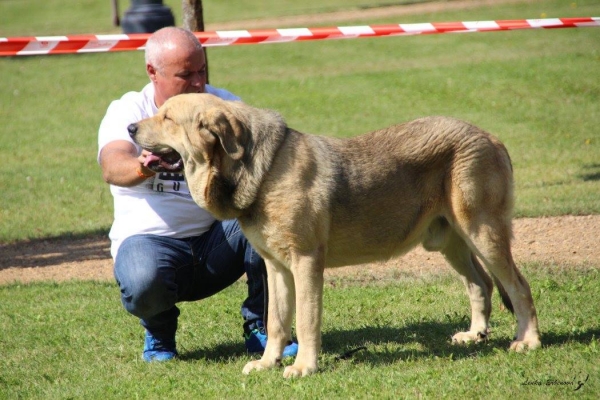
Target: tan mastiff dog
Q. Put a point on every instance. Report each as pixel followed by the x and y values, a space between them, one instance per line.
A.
pixel 308 202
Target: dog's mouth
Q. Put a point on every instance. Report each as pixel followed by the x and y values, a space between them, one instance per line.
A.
pixel 169 161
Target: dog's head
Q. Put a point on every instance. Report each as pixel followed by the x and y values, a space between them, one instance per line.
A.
pixel 206 138
pixel 187 131
pixel 225 148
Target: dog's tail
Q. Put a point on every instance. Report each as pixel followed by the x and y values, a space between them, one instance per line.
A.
pixel 503 295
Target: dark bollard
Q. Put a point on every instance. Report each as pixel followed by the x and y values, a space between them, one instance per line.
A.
pixel 147 16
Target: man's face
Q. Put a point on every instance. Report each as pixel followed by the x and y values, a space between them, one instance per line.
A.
pixel 182 71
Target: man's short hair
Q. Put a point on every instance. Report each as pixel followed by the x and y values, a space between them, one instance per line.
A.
pixel 166 38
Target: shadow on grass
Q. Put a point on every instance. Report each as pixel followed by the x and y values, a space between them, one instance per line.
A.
pixel 386 345
pixel 423 339
pixel 433 339
pixel 550 339
pixel 219 353
pixel 592 173
pixel 56 250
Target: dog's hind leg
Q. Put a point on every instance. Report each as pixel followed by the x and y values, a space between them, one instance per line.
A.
pixel 478 284
pixel 480 194
pixel 491 241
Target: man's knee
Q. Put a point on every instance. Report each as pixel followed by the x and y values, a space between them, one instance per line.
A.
pixel 145 290
pixel 145 296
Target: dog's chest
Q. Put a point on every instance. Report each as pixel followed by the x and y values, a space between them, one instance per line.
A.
pixel 268 239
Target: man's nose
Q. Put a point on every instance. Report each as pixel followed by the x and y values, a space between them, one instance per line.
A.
pixel 132 129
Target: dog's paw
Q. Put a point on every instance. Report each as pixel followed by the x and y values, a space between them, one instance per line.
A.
pixel 299 370
pixel 521 346
pixel 469 337
pixel 257 365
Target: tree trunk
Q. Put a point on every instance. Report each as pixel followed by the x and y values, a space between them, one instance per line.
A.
pixel 193 19
pixel 115 13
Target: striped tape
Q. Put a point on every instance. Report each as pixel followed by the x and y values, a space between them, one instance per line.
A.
pixel 35 45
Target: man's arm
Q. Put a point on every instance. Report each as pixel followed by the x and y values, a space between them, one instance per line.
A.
pixel 121 165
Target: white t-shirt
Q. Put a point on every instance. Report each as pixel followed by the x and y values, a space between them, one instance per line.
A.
pixel 162 204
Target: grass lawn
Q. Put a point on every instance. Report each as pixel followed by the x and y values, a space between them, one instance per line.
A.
pixel 75 341
pixel 537 90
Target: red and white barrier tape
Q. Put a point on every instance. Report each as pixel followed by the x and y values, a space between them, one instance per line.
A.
pixel 20 46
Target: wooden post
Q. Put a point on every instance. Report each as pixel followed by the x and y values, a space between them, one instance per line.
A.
pixel 115 13
pixel 193 19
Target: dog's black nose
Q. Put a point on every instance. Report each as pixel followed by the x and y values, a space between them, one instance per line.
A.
pixel 132 128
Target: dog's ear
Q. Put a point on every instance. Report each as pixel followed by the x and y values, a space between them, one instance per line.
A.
pixel 231 132
pixel 202 140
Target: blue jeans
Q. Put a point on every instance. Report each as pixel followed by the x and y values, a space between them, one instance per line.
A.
pixel 155 272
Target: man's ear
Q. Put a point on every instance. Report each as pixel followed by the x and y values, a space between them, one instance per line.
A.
pixel 151 71
pixel 231 132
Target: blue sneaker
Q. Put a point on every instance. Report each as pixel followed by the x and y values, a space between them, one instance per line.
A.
pixel 158 349
pixel 256 341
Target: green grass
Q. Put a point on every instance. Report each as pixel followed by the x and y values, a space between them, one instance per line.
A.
pixel 537 90
pixel 54 17
pixel 75 341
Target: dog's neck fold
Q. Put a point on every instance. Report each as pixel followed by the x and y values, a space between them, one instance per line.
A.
pixel 233 185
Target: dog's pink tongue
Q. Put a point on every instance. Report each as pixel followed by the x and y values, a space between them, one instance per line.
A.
pixel 151 158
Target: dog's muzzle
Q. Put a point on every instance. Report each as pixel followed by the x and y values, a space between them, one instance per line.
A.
pixel 167 161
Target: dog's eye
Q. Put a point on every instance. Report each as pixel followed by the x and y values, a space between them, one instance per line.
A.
pixel 167 118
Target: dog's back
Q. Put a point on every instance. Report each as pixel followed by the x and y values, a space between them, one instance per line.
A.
pixel 386 187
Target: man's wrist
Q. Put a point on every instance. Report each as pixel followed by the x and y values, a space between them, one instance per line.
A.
pixel 144 172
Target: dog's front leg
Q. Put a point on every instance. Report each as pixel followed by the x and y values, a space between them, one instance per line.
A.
pixel 279 322
pixel 308 276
